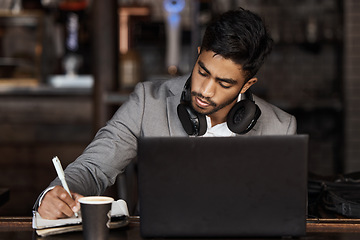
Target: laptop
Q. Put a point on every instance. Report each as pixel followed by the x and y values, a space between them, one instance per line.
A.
pixel 245 186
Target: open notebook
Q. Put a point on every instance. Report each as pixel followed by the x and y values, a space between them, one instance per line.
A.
pixel 45 227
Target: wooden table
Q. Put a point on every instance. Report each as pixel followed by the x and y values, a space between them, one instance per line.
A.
pixel 16 228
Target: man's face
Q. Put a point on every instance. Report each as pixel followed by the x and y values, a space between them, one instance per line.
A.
pixel 215 85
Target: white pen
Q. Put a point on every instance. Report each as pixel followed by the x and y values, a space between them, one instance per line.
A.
pixel 61 175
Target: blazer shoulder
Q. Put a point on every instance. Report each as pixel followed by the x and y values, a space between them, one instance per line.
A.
pixel 275 119
pixel 170 87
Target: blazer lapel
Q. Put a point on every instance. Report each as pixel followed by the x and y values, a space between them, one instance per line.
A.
pixel 175 126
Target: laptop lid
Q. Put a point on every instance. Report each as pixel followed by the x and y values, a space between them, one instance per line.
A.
pixel 223 186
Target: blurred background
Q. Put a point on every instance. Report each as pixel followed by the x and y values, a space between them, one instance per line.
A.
pixel 67 65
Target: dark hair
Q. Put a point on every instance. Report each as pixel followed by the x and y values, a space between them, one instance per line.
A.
pixel 241 36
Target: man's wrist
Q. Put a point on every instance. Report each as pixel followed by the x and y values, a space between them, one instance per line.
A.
pixel 43 194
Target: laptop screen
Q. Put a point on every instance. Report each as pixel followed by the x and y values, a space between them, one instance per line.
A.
pixel 223 186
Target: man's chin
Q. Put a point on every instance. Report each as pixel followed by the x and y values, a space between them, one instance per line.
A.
pixel 203 111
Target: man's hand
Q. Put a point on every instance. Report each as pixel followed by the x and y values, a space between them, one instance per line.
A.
pixel 58 204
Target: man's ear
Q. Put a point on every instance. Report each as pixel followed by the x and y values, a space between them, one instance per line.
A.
pixel 248 84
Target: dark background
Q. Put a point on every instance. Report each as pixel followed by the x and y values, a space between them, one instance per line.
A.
pixel 311 73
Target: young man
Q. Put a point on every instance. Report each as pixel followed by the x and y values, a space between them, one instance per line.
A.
pixel 233 49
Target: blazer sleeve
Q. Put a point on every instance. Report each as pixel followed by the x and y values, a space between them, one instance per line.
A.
pixel 112 149
pixel 292 126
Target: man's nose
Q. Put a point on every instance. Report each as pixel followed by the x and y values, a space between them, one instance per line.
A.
pixel 208 88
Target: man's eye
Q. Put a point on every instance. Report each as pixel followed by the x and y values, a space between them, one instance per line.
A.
pixel 202 74
pixel 224 85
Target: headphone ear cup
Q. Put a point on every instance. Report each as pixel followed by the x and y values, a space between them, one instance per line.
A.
pixel 243 116
pixel 193 123
pixel 202 124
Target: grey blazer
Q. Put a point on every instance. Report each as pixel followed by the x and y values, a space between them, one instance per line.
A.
pixel 150 111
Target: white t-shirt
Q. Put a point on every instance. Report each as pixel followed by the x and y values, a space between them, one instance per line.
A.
pixel 219 130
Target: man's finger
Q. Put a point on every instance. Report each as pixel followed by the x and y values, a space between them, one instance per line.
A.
pixel 76 197
pixel 57 203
